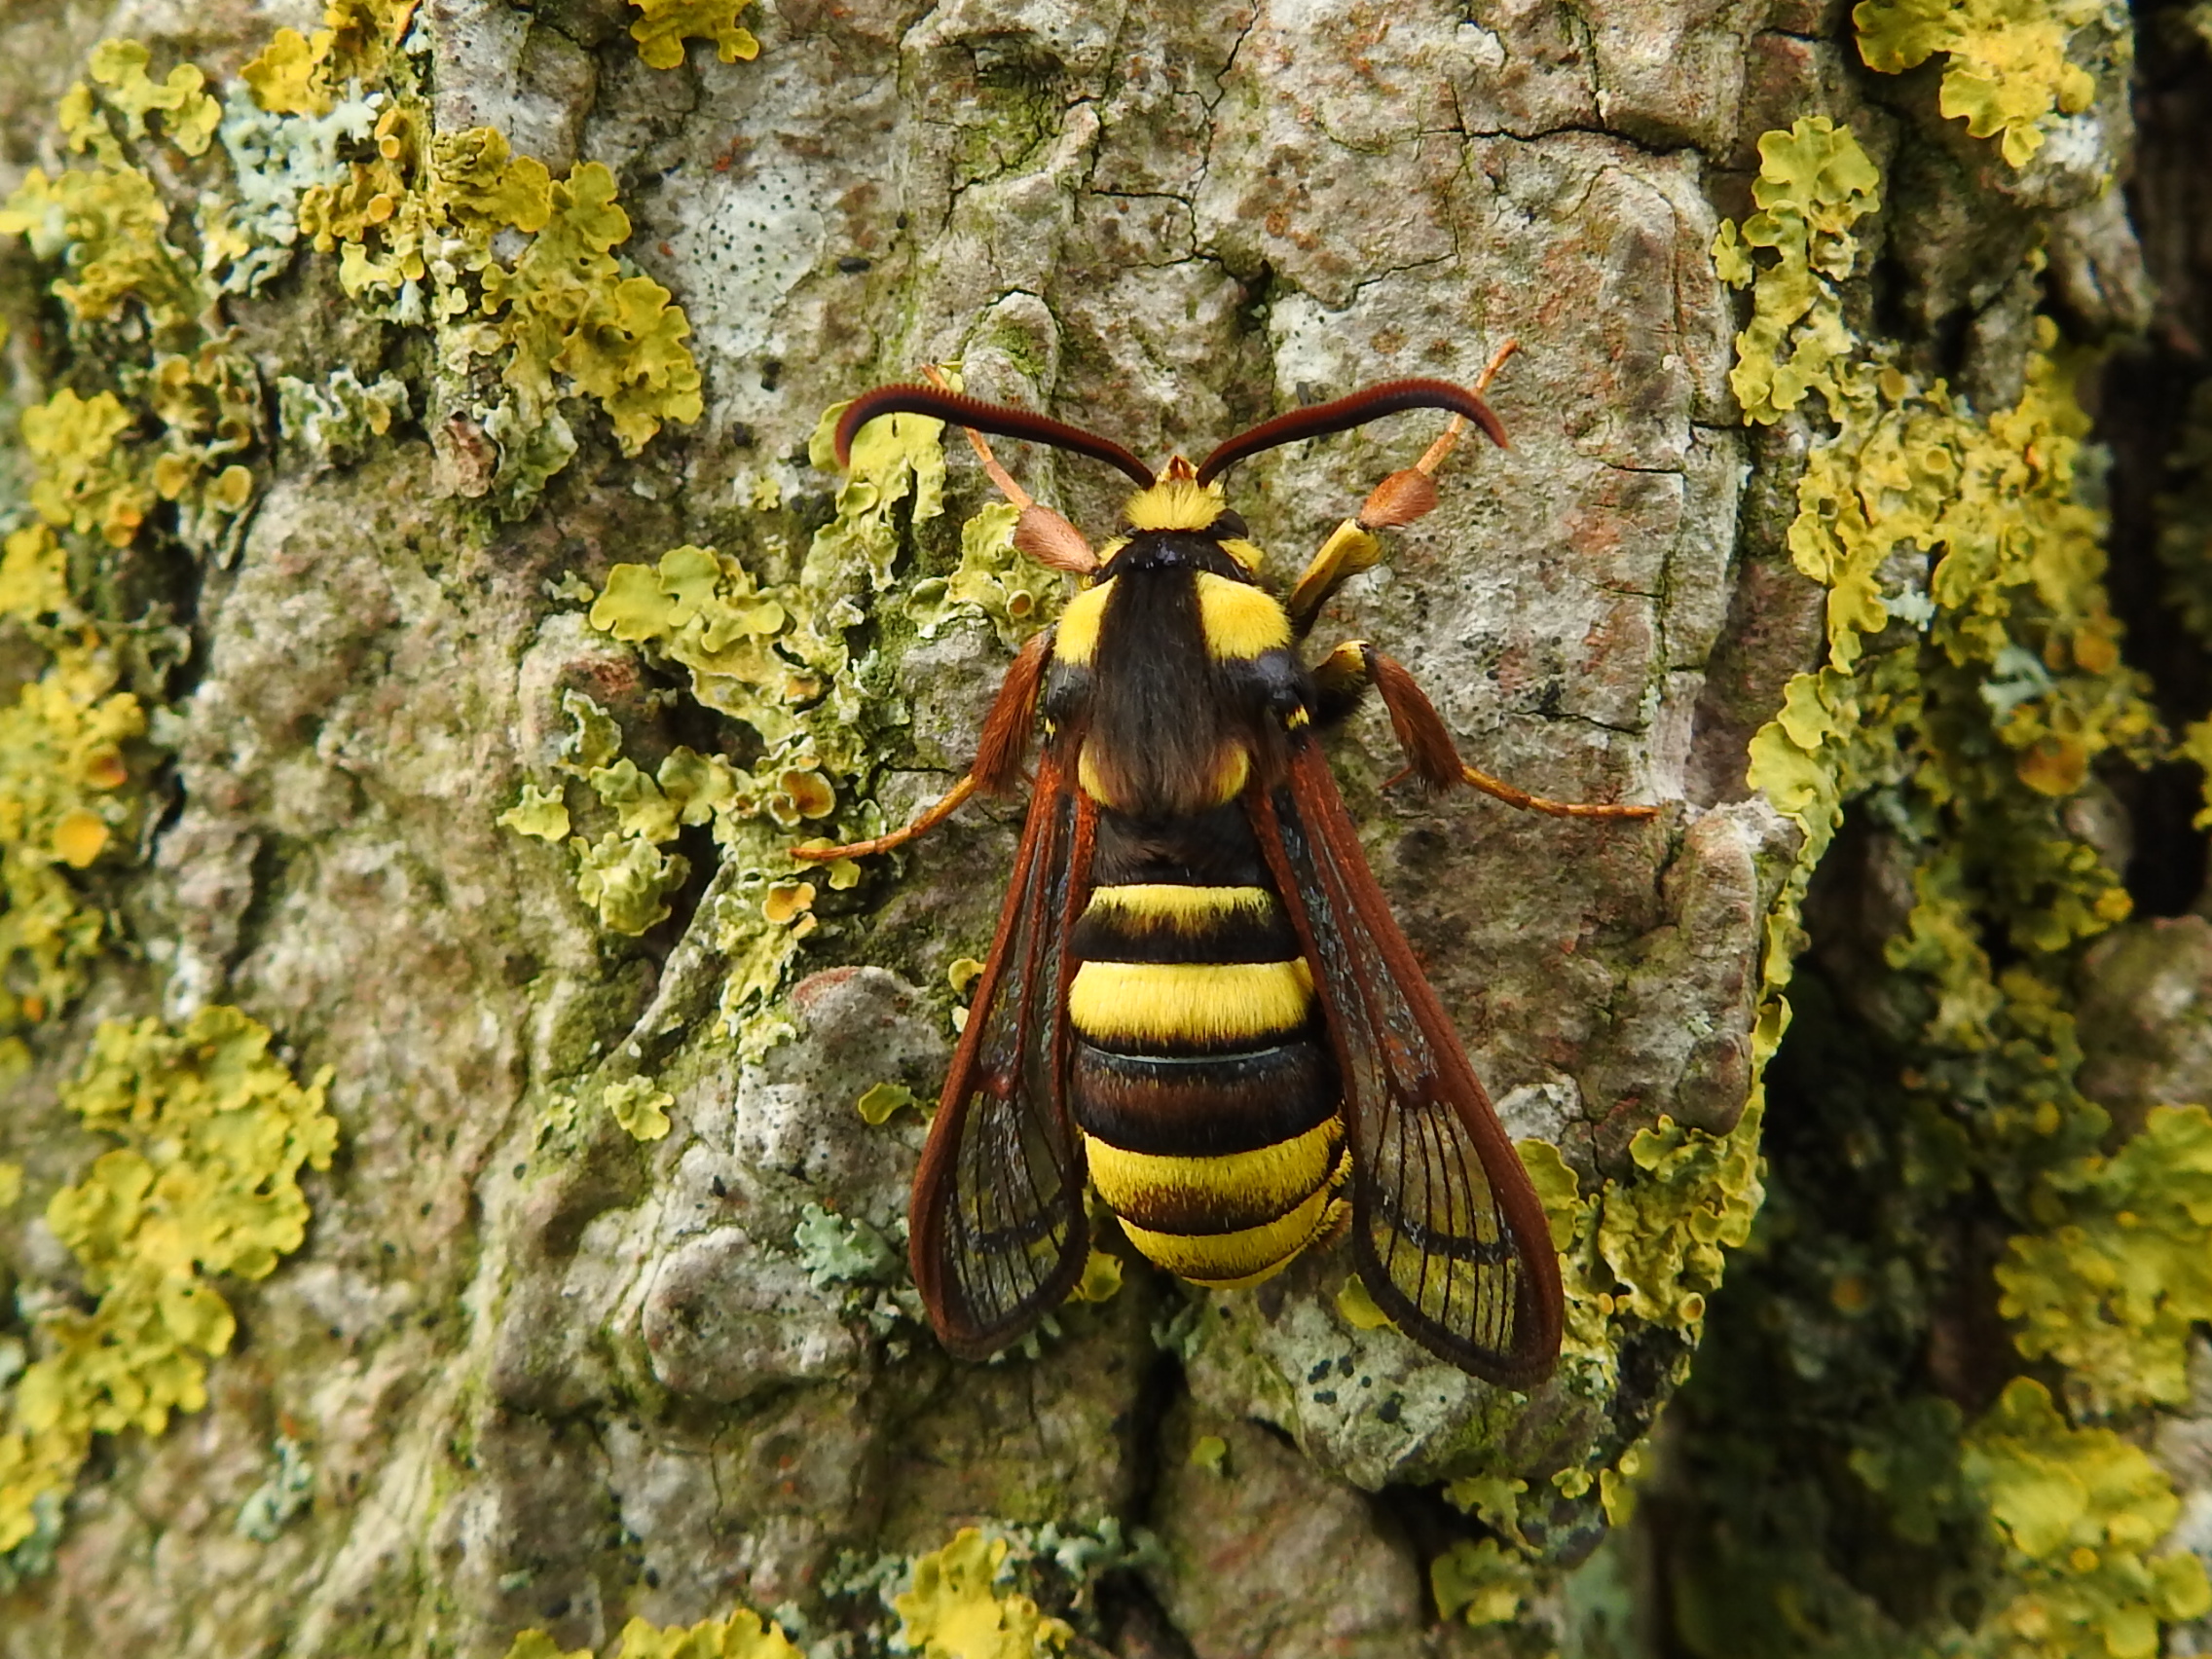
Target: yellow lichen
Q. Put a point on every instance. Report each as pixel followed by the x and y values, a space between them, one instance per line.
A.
pixel 880 1100
pixel 773 657
pixel 65 741
pixel 1665 1235
pixel 664 26
pixel 1479 1582
pixel 2111 1290
pixel 1012 592
pixel 743 1635
pixel 639 1106
pixel 2079 1511
pixel 187 113
pixel 113 224
pixel 1973 677
pixel 214 1134
pixel 953 1612
pixel 2005 70
pixel 1102 1279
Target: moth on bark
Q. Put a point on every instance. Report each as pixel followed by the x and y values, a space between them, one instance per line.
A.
pixel 1196 999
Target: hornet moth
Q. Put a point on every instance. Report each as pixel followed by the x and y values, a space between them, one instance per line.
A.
pixel 1196 999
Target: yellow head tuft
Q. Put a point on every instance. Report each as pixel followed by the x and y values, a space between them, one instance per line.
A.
pixel 1176 503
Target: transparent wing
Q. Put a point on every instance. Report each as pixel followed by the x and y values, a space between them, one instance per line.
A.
pixel 1447 1230
pixel 998 1229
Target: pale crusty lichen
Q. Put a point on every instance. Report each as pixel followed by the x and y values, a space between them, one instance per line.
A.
pixel 206 1183
pixel 2005 67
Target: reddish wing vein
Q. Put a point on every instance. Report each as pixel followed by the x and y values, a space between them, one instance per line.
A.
pixel 999 1232
pixel 1447 1230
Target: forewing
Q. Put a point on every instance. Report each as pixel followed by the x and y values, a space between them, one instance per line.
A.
pixel 998 1230
pixel 1447 1230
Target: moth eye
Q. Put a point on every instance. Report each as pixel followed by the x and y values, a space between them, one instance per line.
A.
pixel 1227 526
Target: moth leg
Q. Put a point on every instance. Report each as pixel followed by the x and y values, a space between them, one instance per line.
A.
pixel 1398 501
pixel 1432 756
pixel 998 757
pixel 1039 533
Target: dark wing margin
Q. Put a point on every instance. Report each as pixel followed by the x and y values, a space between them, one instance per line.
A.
pixel 1447 1230
pixel 999 1235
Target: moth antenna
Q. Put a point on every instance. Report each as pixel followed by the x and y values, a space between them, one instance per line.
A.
pixel 1356 410
pixel 961 410
pixel 1040 533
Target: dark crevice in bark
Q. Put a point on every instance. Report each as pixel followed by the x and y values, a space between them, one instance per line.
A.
pixel 2143 402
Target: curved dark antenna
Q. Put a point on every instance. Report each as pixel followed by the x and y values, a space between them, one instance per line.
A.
pixel 978 416
pixel 1361 407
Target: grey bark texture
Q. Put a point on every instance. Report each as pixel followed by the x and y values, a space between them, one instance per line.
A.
pixel 551 1377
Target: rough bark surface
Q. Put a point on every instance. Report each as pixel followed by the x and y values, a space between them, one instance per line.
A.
pixel 550 1376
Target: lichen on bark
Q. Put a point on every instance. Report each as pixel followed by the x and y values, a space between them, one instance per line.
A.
pixel 461 531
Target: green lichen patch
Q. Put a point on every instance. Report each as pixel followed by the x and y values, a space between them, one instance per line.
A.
pixel 1478 1582
pixel 639 1107
pixel 2079 1511
pixel 777 659
pixel 838 1249
pixel 2111 1290
pixel 664 26
pixel 329 144
pixel 213 1135
pixel 992 581
pixel 68 745
pixel 1973 678
pixel 2005 70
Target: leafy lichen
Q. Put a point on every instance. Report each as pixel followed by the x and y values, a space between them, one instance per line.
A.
pixel 1973 675
pixel 206 1183
pixel 954 1610
pixel 2111 1290
pixel 2006 69
pixel 639 1106
pixel 774 658
pixel 67 742
pixel 743 1635
pixel 664 26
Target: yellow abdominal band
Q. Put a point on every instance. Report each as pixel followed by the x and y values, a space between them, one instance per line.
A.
pixel 1231 1261
pixel 1188 1002
pixel 1263 1185
pixel 1156 908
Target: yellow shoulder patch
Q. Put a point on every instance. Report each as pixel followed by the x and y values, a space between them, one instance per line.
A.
pixel 1245 553
pixel 1241 621
pixel 1075 641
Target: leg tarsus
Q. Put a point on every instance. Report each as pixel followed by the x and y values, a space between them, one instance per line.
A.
pixel 998 755
pixel 921 826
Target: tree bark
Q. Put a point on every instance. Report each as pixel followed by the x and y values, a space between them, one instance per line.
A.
pixel 549 1369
